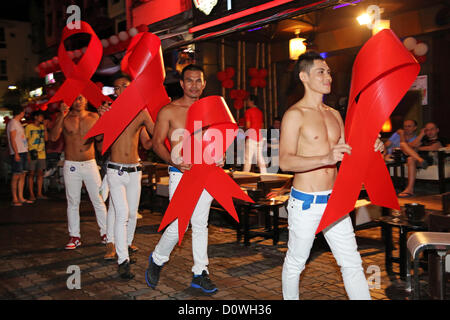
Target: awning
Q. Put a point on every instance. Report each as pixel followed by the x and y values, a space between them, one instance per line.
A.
pixel 255 20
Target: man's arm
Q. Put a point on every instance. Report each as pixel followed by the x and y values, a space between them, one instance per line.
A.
pixel 434 147
pixel 55 133
pixel 160 133
pixel 145 139
pixel 290 161
pixel 12 141
pixel 418 140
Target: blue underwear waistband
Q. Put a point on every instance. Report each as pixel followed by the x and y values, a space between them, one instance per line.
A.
pixel 174 169
pixel 309 198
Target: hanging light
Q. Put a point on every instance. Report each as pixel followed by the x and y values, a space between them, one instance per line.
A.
pixel 296 46
pixel 387 126
pixel 382 24
pixel 363 19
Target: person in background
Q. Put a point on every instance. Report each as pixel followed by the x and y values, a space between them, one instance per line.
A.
pixel 18 150
pixel 418 154
pixel 254 144
pixel 408 134
pixel 36 134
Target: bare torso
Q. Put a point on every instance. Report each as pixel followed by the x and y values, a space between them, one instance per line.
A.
pixel 75 127
pixel 125 148
pixel 321 129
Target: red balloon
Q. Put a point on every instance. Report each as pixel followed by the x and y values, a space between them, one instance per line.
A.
pixel 238 104
pixel 222 76
pixel 262 83
pixel 228 83
pixel 262 73
pixel 421 59
pixel 230 72
pixel 253 72
pixel 234 94
pixel 254 82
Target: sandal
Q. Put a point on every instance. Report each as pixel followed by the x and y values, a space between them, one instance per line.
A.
pixel 405 194
pixel 27 201
pixel 16 204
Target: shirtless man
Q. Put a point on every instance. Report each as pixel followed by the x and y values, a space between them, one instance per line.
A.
pixel 79 166
pixel 312 142
pixel 124 174
pixel 171 118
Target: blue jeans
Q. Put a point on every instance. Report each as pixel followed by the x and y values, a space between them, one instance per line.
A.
pixel 21 166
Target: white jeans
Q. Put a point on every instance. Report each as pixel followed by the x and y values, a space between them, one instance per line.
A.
pixel 339 236
pixel 254 149
pixel 199 222
pixel 75 173
pixel 124 192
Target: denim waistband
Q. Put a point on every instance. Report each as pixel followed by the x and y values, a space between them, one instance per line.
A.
pixel 309 198
pixel 174 169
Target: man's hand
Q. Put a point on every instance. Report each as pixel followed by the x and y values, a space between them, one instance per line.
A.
pixel 64 109
pixel 106 106
pixel 16 157
pixel 337 153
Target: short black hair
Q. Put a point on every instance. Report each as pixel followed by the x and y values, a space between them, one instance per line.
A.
pixel 120 75
pixel 306 61
pixel 276 119
pixel 253 98
pixel 17 109
pixel 191 67
pixel 415 122
pixel 36 113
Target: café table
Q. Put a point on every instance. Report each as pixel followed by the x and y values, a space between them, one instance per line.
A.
pixel 398 220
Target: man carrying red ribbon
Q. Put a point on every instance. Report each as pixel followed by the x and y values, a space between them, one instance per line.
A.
pixel 193 204
pixel 312 142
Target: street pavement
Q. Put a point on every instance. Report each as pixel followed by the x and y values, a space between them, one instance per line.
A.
pixel 35 266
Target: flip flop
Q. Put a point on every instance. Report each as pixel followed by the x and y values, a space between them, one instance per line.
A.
pixel 27 201
pixel 16 204
pixel 405 194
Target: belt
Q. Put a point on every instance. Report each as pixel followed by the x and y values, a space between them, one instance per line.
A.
pixel 125 169
pixel 174 169
pixel 309 198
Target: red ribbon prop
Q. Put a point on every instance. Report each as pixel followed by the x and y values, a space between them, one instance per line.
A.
pixel 144 63
pixel 382 73
pixel 204 174
pixel 78 75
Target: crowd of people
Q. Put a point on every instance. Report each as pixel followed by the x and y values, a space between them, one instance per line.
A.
pixel 310 145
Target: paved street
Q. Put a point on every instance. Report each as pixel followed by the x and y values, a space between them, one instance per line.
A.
pixel 35 265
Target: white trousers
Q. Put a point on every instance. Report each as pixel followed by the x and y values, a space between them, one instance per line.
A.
pixel 253 149
pixel 199 222
pixel 75 173
pixel 339 236
pixel 124 193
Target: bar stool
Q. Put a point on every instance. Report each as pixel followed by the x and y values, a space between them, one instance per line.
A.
pixel 418 242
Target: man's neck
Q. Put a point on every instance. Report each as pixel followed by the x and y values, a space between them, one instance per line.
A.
pixel 79 113
pixel 17 118
pixel 312 99
pixel 185 100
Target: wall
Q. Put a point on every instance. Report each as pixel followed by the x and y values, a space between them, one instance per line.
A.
pixel 18 53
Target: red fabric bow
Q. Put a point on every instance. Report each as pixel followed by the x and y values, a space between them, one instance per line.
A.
pixel 78 75
pixel 214 115
pixel 144 63
pixel 382 73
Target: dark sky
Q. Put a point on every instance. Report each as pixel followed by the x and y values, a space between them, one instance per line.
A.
pixel 15 9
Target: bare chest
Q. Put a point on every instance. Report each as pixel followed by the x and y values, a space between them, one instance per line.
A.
pixel 320 128
pixel 77 126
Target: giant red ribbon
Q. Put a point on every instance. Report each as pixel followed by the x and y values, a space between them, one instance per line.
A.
pixel 382 73
pixel 215 118
pixel 144 63
pixel 78 76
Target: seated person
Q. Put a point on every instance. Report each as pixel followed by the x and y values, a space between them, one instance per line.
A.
pixel 408 134
pixel 418 154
